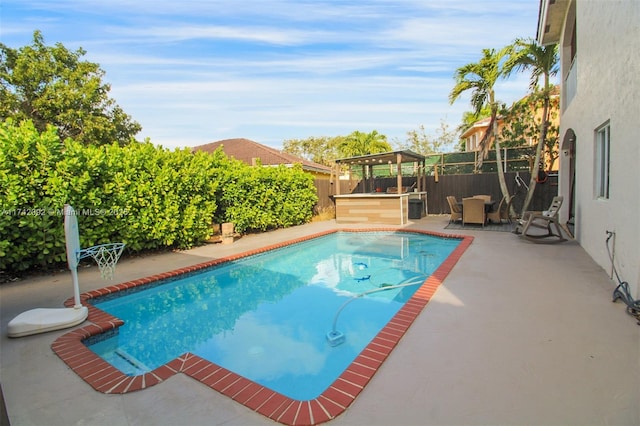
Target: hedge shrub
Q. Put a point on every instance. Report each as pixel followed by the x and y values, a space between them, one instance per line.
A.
pixel 262 198
pixel 140 194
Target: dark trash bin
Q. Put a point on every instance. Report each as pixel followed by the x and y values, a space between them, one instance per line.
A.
pixel 415 209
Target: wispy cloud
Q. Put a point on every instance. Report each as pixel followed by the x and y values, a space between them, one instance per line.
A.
pixel 252 34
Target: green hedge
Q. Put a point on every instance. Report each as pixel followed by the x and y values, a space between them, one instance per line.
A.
pixel 140 194
pixel 261 198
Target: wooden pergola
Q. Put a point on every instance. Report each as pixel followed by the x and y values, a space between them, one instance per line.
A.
pixel 397 158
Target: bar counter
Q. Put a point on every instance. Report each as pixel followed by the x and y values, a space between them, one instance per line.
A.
pixel 376 207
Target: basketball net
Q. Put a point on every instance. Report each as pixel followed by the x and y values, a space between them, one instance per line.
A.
pixel 106 256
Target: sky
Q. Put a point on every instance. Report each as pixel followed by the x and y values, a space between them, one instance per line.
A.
pixel 198 71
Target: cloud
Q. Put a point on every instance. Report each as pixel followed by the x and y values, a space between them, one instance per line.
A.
pixel 196 71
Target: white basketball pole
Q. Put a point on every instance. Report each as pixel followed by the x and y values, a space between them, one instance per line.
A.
pixel 73 250
pixel 76 289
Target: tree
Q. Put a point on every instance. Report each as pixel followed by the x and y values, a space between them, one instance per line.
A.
pixel 359 143
pixel 542 61
pixel 522 126
pixel 52 85
pixel 322 150
pixel 419 141
pixel 480 77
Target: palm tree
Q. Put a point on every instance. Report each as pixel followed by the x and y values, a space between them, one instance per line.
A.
pixel 542 61
pixel 359 143
pixel 480 77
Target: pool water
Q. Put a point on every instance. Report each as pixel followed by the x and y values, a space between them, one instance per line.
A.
pixel 266 317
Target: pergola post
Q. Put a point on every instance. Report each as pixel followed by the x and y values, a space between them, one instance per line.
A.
pixel 399 179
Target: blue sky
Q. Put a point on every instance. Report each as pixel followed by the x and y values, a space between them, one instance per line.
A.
pixel 193 72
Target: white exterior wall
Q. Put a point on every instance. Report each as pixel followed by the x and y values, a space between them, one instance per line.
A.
pixel 608 88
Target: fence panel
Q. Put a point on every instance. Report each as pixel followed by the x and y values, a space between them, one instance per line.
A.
pixel 460 186
pixel 453 163
pixel 326 190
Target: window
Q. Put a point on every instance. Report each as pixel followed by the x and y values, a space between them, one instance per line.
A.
pixel 574 42
pixel 602 161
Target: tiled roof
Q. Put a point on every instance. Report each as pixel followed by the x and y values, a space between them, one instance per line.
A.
pixel 484 123
pixel 478 126
pixel 249 152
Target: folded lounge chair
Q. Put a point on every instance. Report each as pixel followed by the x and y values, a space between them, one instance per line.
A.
pixel 502 212
pixel 456 211
pixel 547 220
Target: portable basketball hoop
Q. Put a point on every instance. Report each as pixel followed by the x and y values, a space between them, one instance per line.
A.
pixel 41 320
pixel 106 256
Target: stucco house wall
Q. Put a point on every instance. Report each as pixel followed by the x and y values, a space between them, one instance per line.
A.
pixel 606 71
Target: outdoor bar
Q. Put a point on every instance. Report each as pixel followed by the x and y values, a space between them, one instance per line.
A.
pixel 374 204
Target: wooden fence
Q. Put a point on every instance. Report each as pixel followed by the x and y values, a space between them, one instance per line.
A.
pixel 462 185
pixel 326 190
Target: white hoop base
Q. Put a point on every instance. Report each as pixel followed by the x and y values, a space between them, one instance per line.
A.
pixel 41 320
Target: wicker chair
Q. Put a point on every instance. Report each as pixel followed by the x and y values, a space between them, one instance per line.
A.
pixel 456 212
pixel 473 211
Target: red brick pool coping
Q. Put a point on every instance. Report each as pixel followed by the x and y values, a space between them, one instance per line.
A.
pixel 105 378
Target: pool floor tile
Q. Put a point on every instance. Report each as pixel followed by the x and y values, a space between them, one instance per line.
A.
pixel 331 403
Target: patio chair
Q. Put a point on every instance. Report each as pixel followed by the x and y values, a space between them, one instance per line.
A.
pixel 456 212
pixel 502 212
pixel 484 197
pixel 473 211
pixel 547 220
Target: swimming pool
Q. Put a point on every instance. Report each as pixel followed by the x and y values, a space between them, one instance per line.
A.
pixel 265 318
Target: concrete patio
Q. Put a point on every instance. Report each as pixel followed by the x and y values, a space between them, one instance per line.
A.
pixel 518 334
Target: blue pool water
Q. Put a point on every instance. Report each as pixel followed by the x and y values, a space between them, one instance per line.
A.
pixel 266 317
